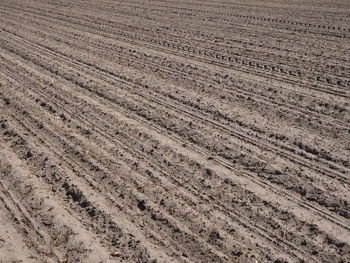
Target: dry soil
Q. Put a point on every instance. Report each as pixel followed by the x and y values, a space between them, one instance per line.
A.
pixel 175 131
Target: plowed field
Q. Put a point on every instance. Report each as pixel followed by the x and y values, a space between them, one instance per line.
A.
pixel 175 131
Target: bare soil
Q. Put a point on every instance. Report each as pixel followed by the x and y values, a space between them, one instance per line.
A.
pixel 175 131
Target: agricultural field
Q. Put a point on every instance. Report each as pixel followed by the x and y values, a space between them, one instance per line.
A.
pixel 175 131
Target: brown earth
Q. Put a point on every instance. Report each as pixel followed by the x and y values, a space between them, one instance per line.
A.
pixel 174 131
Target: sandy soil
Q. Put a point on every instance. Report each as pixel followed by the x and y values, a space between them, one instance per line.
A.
pixel 174 131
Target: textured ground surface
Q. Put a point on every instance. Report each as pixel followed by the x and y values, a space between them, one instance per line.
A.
pixel 174 131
